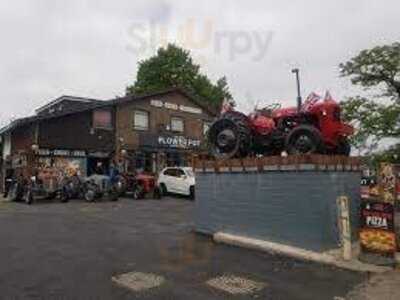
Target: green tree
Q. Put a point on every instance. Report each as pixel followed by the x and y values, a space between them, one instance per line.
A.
pixel 174 67
pixel 376 70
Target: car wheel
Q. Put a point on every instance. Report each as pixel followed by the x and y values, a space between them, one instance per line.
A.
pixel 192 193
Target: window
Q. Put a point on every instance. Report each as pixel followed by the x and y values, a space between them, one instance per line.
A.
pixel 141 120
pixel 177 124
pixel 206 127
pixel 102 119
pixel 171 172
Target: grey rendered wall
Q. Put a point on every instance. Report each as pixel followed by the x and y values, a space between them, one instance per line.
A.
pixel 294 208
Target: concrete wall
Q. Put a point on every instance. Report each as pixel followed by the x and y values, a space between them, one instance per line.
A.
pixel 294 208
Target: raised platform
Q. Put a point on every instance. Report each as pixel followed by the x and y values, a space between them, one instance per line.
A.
pixel 279 163
pixel 286 200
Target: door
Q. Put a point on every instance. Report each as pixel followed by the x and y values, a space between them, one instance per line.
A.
pixel 169 179
pixel 181 182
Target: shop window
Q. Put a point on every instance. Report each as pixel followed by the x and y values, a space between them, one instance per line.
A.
pixel 102 119
pixel 177 124
pixel 206 127
pixel 141 120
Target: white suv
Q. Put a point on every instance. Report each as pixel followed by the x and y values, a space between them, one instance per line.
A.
pixel 177 180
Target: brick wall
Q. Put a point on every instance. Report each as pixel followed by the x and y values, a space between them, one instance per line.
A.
pixel 158 117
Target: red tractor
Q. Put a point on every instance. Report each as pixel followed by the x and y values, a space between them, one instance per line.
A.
pixel 313 127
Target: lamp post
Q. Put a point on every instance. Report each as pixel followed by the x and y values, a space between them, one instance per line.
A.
pixel 297 72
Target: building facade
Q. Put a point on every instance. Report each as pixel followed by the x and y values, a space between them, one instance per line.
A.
pixel 143 133
pixel 62 138
pixel 161 129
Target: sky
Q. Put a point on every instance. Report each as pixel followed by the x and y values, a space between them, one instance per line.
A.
pixel 91 48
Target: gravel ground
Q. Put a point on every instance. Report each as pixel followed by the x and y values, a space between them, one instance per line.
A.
pixel 74 250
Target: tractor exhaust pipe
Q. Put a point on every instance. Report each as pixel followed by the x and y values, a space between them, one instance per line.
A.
pixel 299 101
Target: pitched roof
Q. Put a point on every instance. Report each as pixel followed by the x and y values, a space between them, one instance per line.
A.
pixel 27 120
pixel 95 104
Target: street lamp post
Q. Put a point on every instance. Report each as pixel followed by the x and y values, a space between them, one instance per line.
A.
pixel 297 72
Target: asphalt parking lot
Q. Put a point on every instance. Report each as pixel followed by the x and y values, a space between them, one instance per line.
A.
pixel 71 251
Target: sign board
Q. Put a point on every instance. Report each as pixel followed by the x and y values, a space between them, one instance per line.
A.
pixel 369 188
pixel 169 141
pixel 174 106
pixel 178 142
pixel 62 152
pixel 377 227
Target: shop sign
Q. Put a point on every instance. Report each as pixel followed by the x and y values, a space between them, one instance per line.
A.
pixel 173 106
pixel 377 227
pixel 62 152
pixel 178 142
pixel 189 109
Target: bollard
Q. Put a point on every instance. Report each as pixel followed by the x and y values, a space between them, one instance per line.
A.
pixel 344 226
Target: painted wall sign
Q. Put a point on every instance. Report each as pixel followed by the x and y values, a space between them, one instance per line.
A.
pixel 178 142
pixel 174 106
pixel 62 152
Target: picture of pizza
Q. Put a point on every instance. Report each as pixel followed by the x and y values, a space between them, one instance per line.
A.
pixel 378 240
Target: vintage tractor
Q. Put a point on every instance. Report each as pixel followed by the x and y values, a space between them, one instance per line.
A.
pixel 313 127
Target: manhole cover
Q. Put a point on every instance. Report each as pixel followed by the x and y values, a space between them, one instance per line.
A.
pixel 236 285
pixel 138 282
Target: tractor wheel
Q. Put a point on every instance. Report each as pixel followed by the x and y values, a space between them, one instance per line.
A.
pixel 304 140
pixel 15 193
pixel 90 195
pixel 230 136
pixel 138 193
pixel 343 148
pixel 28 197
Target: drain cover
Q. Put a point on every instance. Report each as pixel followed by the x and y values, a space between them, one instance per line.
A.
pixel 236 285
pixel 138 282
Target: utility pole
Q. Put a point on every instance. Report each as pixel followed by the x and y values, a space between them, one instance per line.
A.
pixel 299 101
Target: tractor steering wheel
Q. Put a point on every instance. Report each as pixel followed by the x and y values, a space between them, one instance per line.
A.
pixel 272 106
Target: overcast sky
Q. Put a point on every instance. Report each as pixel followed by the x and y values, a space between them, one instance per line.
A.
pixel 91 48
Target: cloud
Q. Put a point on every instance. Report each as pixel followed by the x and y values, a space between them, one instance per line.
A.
pixel 83 48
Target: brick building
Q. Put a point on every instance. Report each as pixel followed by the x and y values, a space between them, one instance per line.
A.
pixel 143 133
pixel 67 132
pixel 160 129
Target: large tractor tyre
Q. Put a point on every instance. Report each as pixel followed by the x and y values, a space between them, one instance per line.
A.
pixel 344 148
pixel 230 136
pixel 304 139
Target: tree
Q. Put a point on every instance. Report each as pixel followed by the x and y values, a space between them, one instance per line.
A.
pixel 376 70
pixel 174 67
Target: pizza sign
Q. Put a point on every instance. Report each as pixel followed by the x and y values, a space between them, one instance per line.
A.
pixel 377 232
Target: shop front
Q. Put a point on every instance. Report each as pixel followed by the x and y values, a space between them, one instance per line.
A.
pixel 157 151
pixel 69 162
